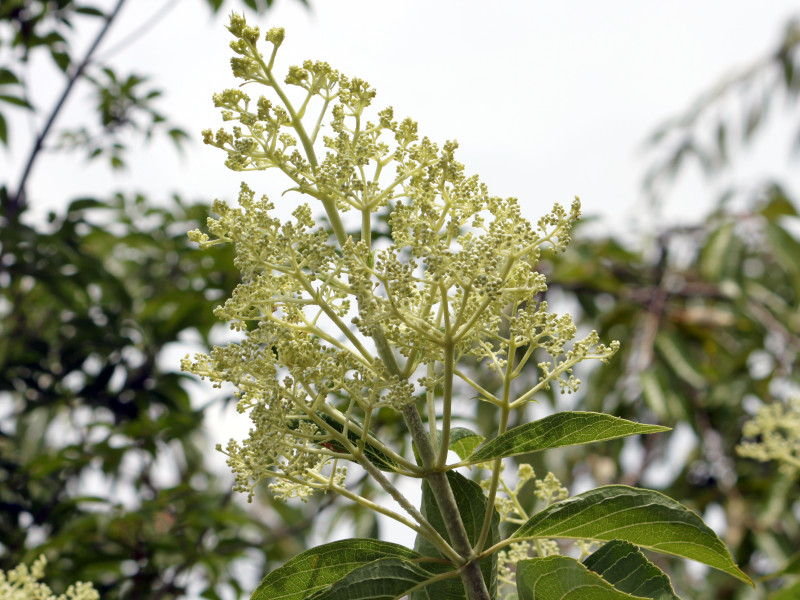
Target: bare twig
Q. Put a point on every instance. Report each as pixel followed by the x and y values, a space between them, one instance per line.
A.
pixel 17 201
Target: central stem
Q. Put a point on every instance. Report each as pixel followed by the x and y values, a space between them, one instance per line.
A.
pixel 471 574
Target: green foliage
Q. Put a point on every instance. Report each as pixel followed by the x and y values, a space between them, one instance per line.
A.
pixel 564 578
pixel 317 569
pixel 642 517
pixel 86 309
pixel 556 431
pixel 88 303
pixel 624 566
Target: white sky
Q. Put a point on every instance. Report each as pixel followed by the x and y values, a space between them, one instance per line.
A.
pixel 548 99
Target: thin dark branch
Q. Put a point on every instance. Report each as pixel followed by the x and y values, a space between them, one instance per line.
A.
pixel 17 201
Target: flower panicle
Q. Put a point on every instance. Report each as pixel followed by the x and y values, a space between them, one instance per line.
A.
pixel 337 327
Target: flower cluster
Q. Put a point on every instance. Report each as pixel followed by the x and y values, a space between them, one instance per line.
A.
pixel 776 427
pixel 510 509
pixel 336 329
pixel 23 583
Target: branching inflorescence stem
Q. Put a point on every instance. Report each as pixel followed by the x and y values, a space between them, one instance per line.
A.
pixel 456 259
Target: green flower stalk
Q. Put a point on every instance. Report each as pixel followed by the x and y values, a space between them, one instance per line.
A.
pixel 335 328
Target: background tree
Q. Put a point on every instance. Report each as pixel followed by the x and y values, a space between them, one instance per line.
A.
pixel 101 451
pixel 707 312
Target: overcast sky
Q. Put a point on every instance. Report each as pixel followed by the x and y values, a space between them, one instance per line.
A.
pixel 547 100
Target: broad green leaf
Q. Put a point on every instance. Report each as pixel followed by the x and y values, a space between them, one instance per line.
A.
pixel 320 567
pixel 560 429
pixel 463 441
pixel 625 567
pixel 383 579
pixel 471 503
pixel 563 578
pixel 642 517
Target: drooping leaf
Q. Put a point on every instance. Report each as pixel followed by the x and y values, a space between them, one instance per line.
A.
pixel 471 504
pixel 321 567
pixel 625 567
pixel 560 429
pixel 90 11
pixel 672 349
pixel 563 578
pixel 62 59
pixel 384 579
pixel 714 253
pixel 643 517
pixel 16 101
pixel 7 76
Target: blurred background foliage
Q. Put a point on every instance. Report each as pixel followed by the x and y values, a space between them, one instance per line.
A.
pixel 102 454
pixel 103 457
pixel 709 318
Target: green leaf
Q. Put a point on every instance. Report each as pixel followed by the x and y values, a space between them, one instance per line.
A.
pixel 563 578
pixel 62 59
pixel 84 204
pixel 560 429
pixel 320 567
pixel 778 205
pixel 7 77
pixel 642 517
pixel 471 504
pixel 463 441
pixel 785 248
pixel 672 349
pixel 178 136
pixel 384 579
pixel 625 567
pixel 3 130
pixel 15 101
pixel 90 11
pixel 714 254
